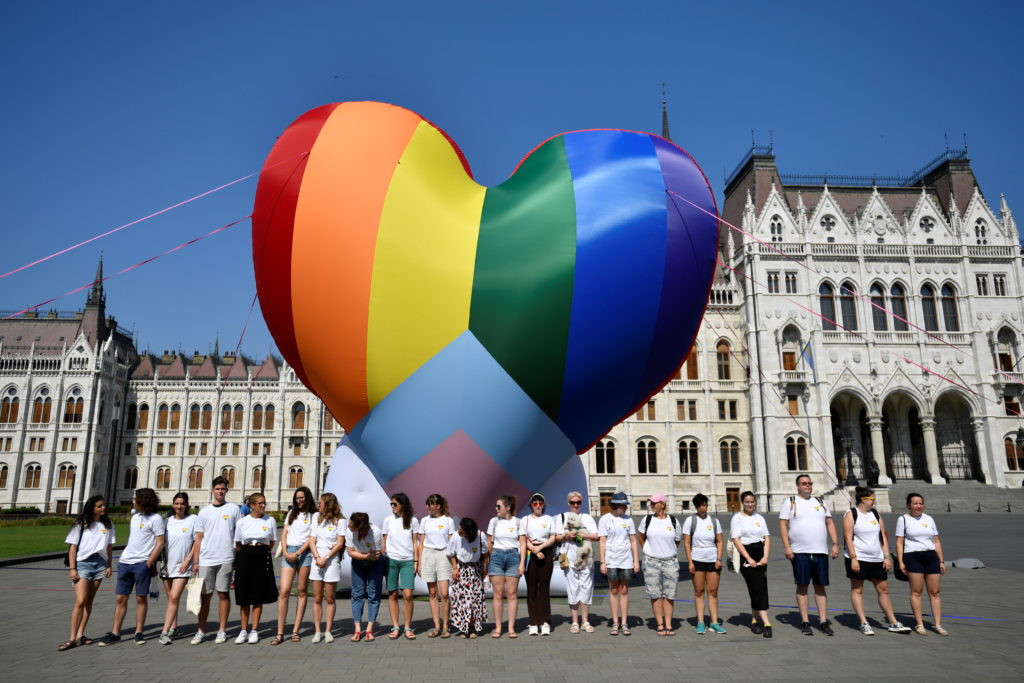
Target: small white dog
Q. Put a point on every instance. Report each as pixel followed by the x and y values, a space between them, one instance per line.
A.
pixel 584 549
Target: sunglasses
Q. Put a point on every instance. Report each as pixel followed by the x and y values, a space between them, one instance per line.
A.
pixel 394 505
pixel 536 502
pixel 575 502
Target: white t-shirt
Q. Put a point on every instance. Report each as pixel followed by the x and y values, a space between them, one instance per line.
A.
pixel 865 537
pixel 570 547
pixel 92 541
pixel 662 537
pixel 217 524
pixel 179 535
pixel 326 535
pixel 371 542
pixel 399 539
pixel 437 531
pixel 145 529
pixel 748 528
pixel 702 539
pixel 251 529
pixel 299 529
pixel 618 552
pixel 807 531
pixel 918 533
pixel 464 551
pixel 537 528
pixel 504 533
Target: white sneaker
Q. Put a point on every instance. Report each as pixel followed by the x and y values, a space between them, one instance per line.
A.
pixel 533 630
pixel 866 629
pixel 328 637
pixel 222 637
pixel 317 637
pixel 165 639
pixel 197 638
pixel 254 637
pixel 545 629
pixel 898 627
pixel 242 636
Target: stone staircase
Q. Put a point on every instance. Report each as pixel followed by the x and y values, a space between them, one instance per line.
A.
pixel 958 496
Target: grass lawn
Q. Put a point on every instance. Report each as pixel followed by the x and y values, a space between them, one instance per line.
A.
pixel 18 541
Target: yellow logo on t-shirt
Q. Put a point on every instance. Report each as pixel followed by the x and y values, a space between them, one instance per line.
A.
pixel 874 521
pixel 668 527
pixel 511 529
pixel 103 531
pixel 625 526
pixel 224 517
pixel 923 524
pixel 472 550
pixel 264 528
pixel 184 529
pixel 440 526
pixel 816 508
pixel 708 527
pixel 757 523
pixel 142 526
pixel 330 528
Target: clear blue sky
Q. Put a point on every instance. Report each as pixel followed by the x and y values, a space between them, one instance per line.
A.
pixel 113 110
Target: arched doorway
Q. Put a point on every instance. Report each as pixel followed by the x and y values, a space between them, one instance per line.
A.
pixel 904 441
pixel 851 437
pixel 954 438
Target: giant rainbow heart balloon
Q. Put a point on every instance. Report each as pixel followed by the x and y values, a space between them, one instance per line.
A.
pixel 472 340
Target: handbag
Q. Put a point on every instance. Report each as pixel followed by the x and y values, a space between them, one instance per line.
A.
pixel 194 599
pixel 896 571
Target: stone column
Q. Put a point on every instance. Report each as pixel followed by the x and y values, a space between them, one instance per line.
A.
pixel 878 449
pixel 982 450
pixel 931 452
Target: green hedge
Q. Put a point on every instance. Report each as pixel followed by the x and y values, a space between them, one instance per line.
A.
pixel 21 511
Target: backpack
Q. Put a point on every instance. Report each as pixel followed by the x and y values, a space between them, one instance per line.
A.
pixel 881 534
pixel 646 524
pixel 693 524
pixel 792 505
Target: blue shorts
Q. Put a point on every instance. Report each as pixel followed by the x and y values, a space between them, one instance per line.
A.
pixel 922 562
pixel 810 568
pixel 504 562
pixel 92 568
pixel 305 558
pixel 132 576
pixel 620 574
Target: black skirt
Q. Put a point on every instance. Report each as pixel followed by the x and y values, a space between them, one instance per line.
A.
pixel 254 576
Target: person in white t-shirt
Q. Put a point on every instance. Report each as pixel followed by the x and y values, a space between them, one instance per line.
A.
pixel 255 536
pixel 399 532
pixel 702 538
pixel 867 559
pixel 805 525
pixel 137 565
pixel 364 542
pixel 91 542
pixel 579 574
pixel 467 553
pixel 213 557
pixel 327 540
pixel 659 534
pixel 919 552
pixel 436 530
pixel 539 531
pixel 750 536
pixel 179 534
pixel 620 559
pixel 296 561
pixel 507 541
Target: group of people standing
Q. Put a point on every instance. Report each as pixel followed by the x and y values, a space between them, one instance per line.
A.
pixel 221 548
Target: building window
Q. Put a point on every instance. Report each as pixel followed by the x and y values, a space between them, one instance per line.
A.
pixel 229 474
pixel 194 415
pixel 172 448
pixel 793 404
pixel 604 456
pixel 950 317
pixel 73 407
pixel 195 477
pixel 268 417
pixel 223 449
pixel 848 305
pixel 646 412
pixel 207 422
pixel 255 449
pixel 3 476
pixel 692 371
pixel 175 417
pixel 144 416
pixel 163 477
pixel 647 457
pixel 191 449
pixel 879 319
pixel 686 411
pixel 138 448
pixel 160 448
pixel 132 416
pixel 827 306
pixel 327 448
pixel 790 282
pixel 66 476
pixel 689 456
pixel 722 355
pixel 775 227
pixel 41 408
pixel 299 416
pixel 999 285
pixel 238 419
pixel 162 414
pixel 131 478
pixel 297 448
pixel 727 410
pixel 9 407
pixel 730 453
pixel 796 453
pixel 773 282
pixel 234 448
pixel 928 310
pixel 980 231
pixel 899 308
pixel 828 223
pixel 927 224
pixel 33 473
pixel 1012 405
pixel 1014 455
pixel 295 477
pixel 259 477
pixel 225 417
pixel 257 417
pixel 981 281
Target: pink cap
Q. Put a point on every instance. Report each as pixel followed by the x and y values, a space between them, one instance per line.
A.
pixel 659 498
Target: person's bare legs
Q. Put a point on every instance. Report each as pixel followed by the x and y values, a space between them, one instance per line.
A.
pixel 884 600
pixel 174 589
pixel 318 605
pixel 821 600
pixel 933 582
pixel 699 579
pixel 802 602
pixel 712 590
pixel 857 599
pixel 330 589
pixel 498 594
pixel 407 606
pixel 284 595
pixel 511 588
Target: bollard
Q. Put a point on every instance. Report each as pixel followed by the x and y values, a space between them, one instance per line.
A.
pixel 979 507
pixel 1008 508
pixel 948 508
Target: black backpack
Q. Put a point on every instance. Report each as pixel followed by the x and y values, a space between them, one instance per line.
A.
pixel 647 523
pixel 881 535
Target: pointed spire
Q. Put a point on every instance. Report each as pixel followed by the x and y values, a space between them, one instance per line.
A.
pixel 664 114
pixel 96 295
pixel 216 348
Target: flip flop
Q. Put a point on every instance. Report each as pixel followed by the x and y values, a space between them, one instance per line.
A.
pixel 661 630
pixel 356 637
pixel 513 634
pixel 369 637
pixel 575 628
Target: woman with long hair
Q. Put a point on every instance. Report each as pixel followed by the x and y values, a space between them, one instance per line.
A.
pixel 507 543
pixel 364 544
pixel 296 561
pixel 468 555
pixel 255 535
pixel 327 539
pixel 91 539
pixel 702 538
pixel 398 532
pixel 179 535
pixel 436 530
pixel 750 536
pixel 920 556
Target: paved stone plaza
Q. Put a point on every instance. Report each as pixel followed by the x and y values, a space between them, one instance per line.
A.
pixel 982 610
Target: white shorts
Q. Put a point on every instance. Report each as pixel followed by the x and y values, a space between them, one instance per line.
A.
pixel 331 573
pixel 435 565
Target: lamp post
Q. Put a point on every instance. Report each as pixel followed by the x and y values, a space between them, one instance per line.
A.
pixel 851 478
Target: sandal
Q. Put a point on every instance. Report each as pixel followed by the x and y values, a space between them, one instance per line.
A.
pixel 661 630
pixel 941 631
pixel 395 632
pixel 495 634
pixel 513 634
pixel 625 630
pixel 446 633
pixel 85 640
pixel 66 645
pixel 410 634
pixel 575 628
pixel 473 634
pixel 432 633
pixel 463 635
pixel 615 630
pixel 278 639
pixel 919 630
pixel 356 637
pixel 588 627
pixel 669 632
pixel 296 638
pixel 369 637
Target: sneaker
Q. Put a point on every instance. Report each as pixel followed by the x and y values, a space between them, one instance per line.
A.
pixel 826 628
pixel 165 638
pixel 140 639
pixel 866 629
pixel 545 629
pixel 756 628
pixel 805 628
pixel 254 637
pixel 717 628
pixel 767 633
pixel 328 637
pixel 222 637
pixel 243 635
pixel 898 627
pixel 108 639
pixel 172 634
pixel 534 630
pixel 702 628
pixel 197 638
pixel 317 637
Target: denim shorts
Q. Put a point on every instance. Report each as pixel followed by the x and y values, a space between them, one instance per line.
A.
pixel 92 568
pixel 305 558
pixel 504 563
pixel 620 574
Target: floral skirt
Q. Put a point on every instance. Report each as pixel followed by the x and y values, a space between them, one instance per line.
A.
pixel 467 595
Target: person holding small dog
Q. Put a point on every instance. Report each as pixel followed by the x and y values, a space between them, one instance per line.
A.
pixel 576 529
pixel 660 534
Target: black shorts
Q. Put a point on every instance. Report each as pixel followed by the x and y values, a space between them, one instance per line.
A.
pixel 810 568
pixel 922 562
pixel 699 566
pixel 869 571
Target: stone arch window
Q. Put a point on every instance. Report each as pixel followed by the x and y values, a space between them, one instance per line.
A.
pixel 647 456
pixel 929 313
pixel 73 407
pixel 207 421
pixel 195 414
pixel 775 228
pixel 689 456
pixel 143 416
pixel 295 477
pixel 225 417
pixel 195 477
pixel 723 355
pixel 981 231
pixel 879 318
pixel 791 347
pixel 827 306
pixel 729 450
pixel 898 303
pixel 175 416
pixel 163 477
pixel 66 476
pixel 604 457
pixel 1006 350
pixel 796 454
pixel 229 474
pixel 257 417
pixel 259 477
pixel 133 413
pixel 131 478
pixel 3 475
pixel 692 366
pixel 299 416
pixel 33 474
pixel 828 223
pixel 848 305
pixel 268 417
pixel 238 417
pixel 9 407
pixel 950 316
pixel 927 224
pixel 42 407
